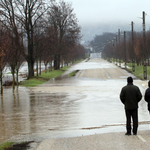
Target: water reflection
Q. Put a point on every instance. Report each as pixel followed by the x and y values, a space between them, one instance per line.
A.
pixel 14 104
pixel 23 112
pixel 50 111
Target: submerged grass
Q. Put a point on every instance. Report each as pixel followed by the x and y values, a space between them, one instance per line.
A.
pixel 72 73
pixel 37 80
pixel 5 145
pixel 15 146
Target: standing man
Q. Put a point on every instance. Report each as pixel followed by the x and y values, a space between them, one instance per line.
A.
pixel 147 96
pixel 130 96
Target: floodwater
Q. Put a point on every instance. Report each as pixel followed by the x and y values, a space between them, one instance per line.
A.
pixel 65 107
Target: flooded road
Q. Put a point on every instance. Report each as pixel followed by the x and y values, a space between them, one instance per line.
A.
pixel 85 104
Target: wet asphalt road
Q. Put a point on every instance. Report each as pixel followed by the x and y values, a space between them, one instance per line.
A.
pixel 68 107
pixel 106 141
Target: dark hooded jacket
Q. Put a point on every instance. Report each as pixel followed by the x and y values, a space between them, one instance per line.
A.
pixel 147 96
pixel 130 95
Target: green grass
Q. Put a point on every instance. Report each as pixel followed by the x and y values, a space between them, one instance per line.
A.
pixel 6 145
pixel 138 70
pixel 8 73
pixel 13 145
pixel 65 68
pixel 72 73
pixel 37 80
pixel 79 61
pixel 51 74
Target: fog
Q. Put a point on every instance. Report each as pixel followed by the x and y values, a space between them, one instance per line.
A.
pixel 98 16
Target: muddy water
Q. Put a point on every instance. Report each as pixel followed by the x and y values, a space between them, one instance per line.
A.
pixel 66 107
pixel 14 106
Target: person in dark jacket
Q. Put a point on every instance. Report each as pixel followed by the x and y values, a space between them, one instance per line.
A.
pixel 130 95
pixel 147 96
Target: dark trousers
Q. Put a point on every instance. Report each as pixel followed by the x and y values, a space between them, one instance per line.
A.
pixel 132 113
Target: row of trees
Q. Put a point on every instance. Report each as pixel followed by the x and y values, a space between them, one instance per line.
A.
pixel 100 41
pixel 132 47
pixel 126 46
pixel 36 31
pixel 127 49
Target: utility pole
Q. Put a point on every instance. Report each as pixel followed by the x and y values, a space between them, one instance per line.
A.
pixel 133 54
pixel 119 46
pixel 144 49
pixel 125 49
pixel 116 50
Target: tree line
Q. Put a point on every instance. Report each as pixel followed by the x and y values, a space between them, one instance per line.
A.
pixel 128 47
pixel 38 31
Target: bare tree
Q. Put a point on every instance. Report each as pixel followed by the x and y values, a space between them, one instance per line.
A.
pixel 24 14
pixel 99 41
pixel 66 27
pixel 4 44
pixel 14 58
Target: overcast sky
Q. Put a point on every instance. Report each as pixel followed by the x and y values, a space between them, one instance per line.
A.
pixel 98 16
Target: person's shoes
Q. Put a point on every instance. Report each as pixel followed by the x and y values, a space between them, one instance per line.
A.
pixel 128 133
pixel 134 133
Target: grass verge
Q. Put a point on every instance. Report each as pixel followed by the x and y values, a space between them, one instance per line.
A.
pixel 37 80
pixel 138 70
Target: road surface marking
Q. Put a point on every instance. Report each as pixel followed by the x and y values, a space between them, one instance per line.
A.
pixel 107 75
pixel 141 138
